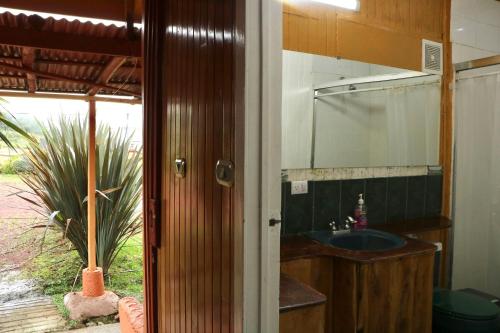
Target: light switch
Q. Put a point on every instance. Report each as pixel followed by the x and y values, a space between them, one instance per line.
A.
pixel 299 187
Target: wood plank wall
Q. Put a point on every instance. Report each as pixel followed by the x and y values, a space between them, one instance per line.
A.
pixel 152 172
pixel 195 259
pixel 384 32
pixel 446 140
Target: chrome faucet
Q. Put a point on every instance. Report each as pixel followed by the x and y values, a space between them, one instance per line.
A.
pixel 347 227
pixel 333 226
pixel 350 222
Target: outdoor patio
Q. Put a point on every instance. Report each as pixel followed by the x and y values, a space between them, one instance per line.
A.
pixel 41 256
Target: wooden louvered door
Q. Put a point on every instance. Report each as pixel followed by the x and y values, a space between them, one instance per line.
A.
pixel 195 256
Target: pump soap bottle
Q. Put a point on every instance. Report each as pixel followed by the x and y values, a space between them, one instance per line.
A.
pixel 360 214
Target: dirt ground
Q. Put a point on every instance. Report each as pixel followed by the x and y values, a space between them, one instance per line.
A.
pixel 17 218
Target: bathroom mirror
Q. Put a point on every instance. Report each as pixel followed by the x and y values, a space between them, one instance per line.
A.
pixel 342 113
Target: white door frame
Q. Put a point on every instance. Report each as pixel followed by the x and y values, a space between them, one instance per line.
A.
pixel 263 56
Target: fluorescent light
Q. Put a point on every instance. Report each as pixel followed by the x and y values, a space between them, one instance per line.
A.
pixel 347 4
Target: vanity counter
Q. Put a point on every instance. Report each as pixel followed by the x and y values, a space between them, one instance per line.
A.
pixel 295 294
pixel 301 247
pixel 415 226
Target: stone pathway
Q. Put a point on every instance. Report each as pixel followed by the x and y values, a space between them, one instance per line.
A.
pixel 23 309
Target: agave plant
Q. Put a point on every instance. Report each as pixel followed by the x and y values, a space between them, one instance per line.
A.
pixel 59 179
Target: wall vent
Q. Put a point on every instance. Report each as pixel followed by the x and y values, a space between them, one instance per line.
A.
pixel 432 57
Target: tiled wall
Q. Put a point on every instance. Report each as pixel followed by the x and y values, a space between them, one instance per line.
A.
pixel 475 29
pixel 388 199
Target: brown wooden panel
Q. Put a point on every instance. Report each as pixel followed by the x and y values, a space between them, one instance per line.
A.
pixel 196 256
pixel 390 296
pixel 441 236
pixel 321 29
pixel 153 151
pixel 446 151
pixel 389 13
pixel 331 34
pixel 345 300
pixel 316 273
pixel 399 296
pixel 378 46
pixel 420 19
pixel 309 319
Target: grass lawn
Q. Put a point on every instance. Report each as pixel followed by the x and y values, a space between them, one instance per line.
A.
pixel 58 271
pixel 10 179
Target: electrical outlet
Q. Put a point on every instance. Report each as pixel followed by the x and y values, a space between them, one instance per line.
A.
pixel 299 187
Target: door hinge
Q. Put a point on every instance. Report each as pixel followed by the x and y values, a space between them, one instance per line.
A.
pixel 154 223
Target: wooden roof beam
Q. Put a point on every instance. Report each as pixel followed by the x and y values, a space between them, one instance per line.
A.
pixel 28 61
pixel 71 63
pixel 64 78
pixel 107 73
pixel 69 42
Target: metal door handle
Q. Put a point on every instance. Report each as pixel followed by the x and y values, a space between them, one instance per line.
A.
pixel 180 167
pixel 224 173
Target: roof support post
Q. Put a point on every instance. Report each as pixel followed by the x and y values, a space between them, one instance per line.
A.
pixel 91 218
pixel 92 276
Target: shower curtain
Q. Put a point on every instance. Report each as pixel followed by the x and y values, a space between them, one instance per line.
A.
pixel 393 127
pixel 476 256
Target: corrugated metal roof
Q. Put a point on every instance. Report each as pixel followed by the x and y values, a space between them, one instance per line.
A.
pixel 66 64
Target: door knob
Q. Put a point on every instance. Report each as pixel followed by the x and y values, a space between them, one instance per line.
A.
pixel 180 167
pixel 224 173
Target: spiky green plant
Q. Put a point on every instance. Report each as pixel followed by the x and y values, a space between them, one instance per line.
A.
pixel 59 179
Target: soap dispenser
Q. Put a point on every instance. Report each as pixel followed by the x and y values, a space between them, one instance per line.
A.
pixel 360 214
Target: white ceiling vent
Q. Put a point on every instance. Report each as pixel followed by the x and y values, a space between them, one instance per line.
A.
pixel 432 57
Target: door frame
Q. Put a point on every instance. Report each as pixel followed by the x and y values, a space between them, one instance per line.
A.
pixel 152 51
pixel 262 200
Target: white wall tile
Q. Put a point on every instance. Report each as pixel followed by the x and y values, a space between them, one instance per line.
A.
pixel 487 12
pixel 479 54
pixel 463 30
pixel 462 53
pixel 475 29
pixel 463 7
pixel 488 37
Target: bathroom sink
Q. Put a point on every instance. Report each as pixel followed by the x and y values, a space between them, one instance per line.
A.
pixel 362 240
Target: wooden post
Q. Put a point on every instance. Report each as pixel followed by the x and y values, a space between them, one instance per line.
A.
pixel 92 276
pixel 91 241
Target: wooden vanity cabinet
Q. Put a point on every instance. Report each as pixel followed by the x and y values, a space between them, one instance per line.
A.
pixel 302 308
pixel 390 296
pixel 393 295
pixel 318 274
pixel 428 230
pixel 309 319
pixel 433 236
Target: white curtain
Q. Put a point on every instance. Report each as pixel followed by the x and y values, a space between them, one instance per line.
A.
pixel 476 257
pixel 393 127
pixel 413 125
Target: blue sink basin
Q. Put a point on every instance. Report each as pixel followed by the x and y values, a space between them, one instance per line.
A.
pixel 362 240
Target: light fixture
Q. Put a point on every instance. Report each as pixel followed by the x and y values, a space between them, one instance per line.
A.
pixel 347 4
